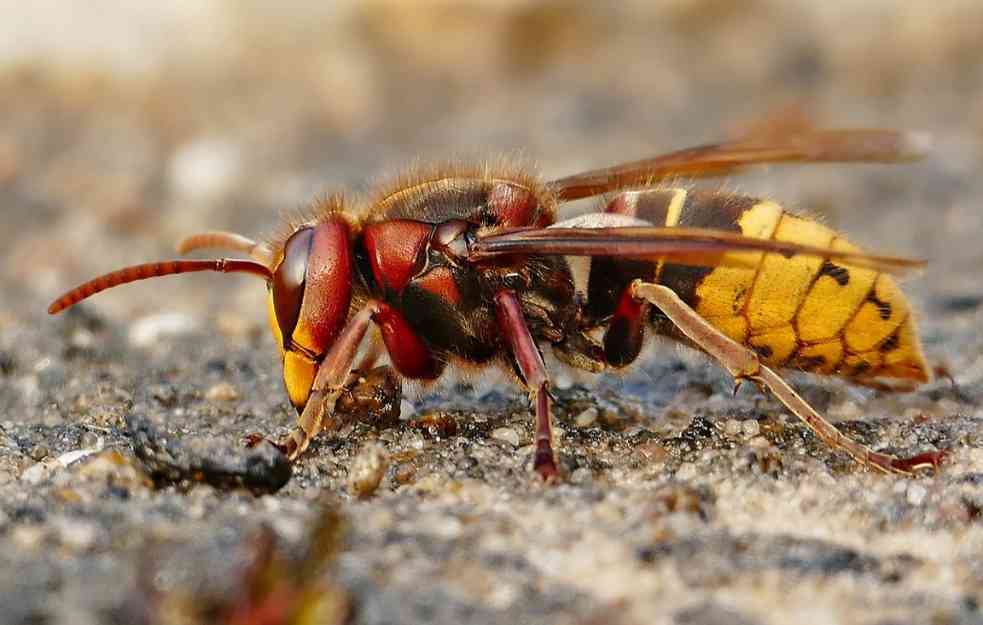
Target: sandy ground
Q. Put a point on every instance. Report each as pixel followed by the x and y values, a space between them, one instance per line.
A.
pixel 122 131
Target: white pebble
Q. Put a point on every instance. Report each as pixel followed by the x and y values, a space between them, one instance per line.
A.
pixel 586 418
pixel 750 428
pixel 77 535
pixel 406 410
pixel 148 330
pixel 223 391
pixel 367 470
pixel 28 536
pixel 506 435
pixel 916 494
pixel 687 471
pixel 582 475
pixel 40 471
pixel 71 457
pixel 414 440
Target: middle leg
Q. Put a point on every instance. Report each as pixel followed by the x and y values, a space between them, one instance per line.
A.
pixel 530 364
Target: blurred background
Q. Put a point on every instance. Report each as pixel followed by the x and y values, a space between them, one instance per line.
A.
pixel 124 126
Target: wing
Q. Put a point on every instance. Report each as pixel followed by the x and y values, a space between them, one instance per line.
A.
pixel 686 246
pixel 720 159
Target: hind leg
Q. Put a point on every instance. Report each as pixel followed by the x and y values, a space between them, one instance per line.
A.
pixel 744 364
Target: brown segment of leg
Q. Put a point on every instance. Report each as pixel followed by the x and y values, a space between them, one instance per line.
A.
pixel 743 363
pixel 533 370
pixel 331 381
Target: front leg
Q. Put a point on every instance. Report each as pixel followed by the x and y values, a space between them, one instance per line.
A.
pixel 329 383
pixel 408 352
pixel 533 371
pixel 744 364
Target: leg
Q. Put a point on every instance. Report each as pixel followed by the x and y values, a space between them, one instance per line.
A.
pixel 743 364
pixel 335 377
pixel 530 363
pixel 331 380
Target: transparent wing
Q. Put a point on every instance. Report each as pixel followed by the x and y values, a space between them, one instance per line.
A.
pixel 720 159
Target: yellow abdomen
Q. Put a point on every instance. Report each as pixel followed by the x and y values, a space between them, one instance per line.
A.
pixel 801 312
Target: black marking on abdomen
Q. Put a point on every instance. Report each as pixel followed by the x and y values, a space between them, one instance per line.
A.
pixel 684 280
pixel 651 205
pixel 719 211
pixel 883 308
pixel 808 363
pixel 892 342
pixel 840 274
pixel 703 209
pixel 859 369
pixel 763 350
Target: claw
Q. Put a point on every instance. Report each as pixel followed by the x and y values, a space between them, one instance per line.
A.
pixel 545 464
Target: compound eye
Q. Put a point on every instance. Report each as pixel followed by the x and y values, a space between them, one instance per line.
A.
pixel 452 237
pixel 288 281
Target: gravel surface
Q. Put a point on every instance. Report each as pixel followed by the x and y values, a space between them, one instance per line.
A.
pixel 682 504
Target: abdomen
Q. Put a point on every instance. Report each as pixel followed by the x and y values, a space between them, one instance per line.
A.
pixel 800 312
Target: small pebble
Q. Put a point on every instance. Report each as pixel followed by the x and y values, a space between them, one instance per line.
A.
pixel 406 410
pixel 562 380
pixel 582 475
pixel 71 457
pixel 586 418
pixel 445 527
pixel 760 442
pixel 39 472
pixel 112 467
pixel 223 391
pixel 147 331
pixel 414 441
pixel 39 453
pixel 90 439
pixel 77 535
pixel 687 471
pixel 82 338
pixel 916 494
pixel 732 427
pixel 750 428
pixel 27 536
pixel 367 470
pixel 506 435
pixel 404 473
